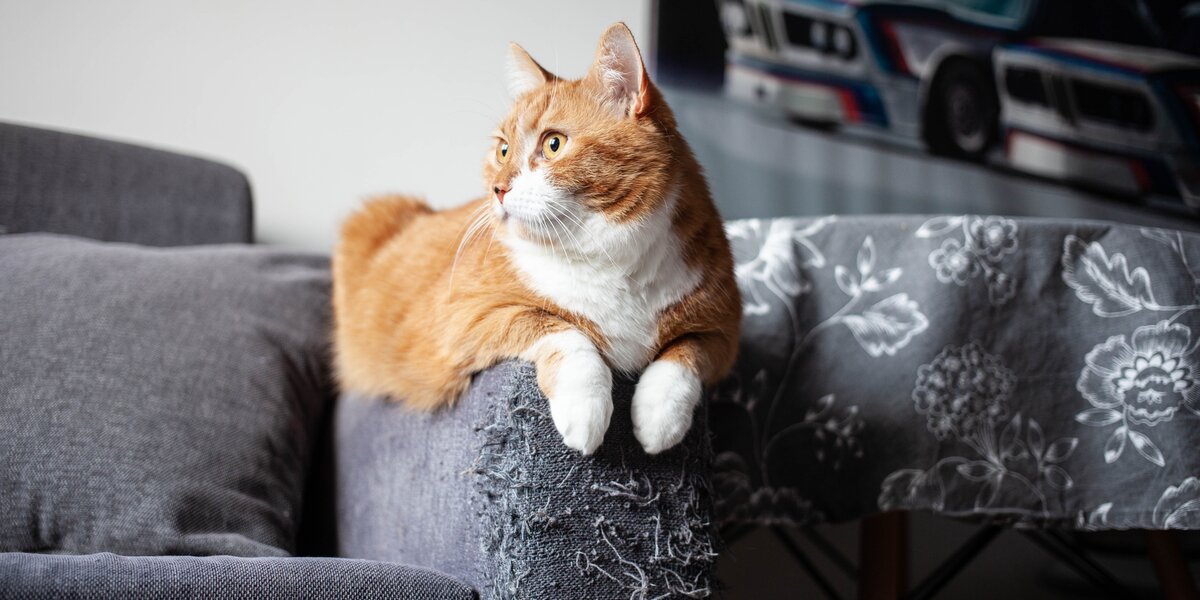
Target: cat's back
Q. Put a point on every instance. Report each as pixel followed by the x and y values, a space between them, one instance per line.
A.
pixel 391 271
pixel 394 243
pixel 394 257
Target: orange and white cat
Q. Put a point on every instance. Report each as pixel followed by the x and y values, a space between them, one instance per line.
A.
pixel 597 248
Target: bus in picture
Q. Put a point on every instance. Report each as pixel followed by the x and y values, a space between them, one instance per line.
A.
pixel 1006 80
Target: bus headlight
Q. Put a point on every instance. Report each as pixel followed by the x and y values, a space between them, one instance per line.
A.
pixel 733 15
pixel 843 42
pixel 818 34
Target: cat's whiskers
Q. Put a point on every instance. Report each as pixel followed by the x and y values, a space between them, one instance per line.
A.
pixel 558 222
pixel 479 219
pixel 555 223
pixel 491 239
pixel 464 234
pixel 546 234
pixel 565 211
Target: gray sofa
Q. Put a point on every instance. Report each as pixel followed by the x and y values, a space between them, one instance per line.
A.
pixel 171 429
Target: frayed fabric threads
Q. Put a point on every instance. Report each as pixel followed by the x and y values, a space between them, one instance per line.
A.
pixel 617 524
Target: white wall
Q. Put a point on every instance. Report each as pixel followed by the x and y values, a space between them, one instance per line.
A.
pixel 319 105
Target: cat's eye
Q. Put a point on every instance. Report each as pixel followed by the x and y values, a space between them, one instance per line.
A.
pixel 502 152
pixel 553 144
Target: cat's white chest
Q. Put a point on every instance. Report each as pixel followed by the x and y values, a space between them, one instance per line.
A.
pixel 623 290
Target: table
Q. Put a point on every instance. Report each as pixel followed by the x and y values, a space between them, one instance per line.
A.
pixel 1040 373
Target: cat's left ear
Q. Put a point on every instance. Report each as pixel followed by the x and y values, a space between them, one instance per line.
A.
pixel 524 74
pixel 618 73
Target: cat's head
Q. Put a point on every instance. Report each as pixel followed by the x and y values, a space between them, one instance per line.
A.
pixel 580 154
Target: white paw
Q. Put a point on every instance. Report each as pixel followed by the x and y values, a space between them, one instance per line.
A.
pixel 581 404
pixel 666 397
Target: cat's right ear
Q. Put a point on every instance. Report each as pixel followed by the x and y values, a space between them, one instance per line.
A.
pixel 524 74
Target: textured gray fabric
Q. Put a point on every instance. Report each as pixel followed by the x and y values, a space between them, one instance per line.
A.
pixel 108 576
pixel 404 487
pixel 157 401
pixel 1045 372
pixel 487 492
pixel 62 183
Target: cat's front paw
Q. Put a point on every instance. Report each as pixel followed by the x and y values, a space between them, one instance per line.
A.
pixel 666 397
pixel 581 403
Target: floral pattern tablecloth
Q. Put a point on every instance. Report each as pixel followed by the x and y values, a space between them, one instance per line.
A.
pixel 1036 371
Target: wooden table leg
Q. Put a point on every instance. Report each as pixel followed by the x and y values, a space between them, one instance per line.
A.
pixel 1169 565
pixel 883 557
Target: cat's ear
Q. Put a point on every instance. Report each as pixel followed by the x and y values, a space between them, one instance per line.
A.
pixel 524 74
pixel 618 73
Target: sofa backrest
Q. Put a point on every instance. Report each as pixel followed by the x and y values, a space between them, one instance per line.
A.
pixel 58 182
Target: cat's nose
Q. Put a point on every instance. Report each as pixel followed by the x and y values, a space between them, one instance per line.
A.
pixel 500 192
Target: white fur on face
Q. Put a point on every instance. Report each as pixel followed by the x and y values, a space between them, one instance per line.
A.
pixel 540 210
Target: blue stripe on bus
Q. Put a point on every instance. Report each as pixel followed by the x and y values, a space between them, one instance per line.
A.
pixel 1078 61
pixel 870 105
pixel 829 4
pixel 874 42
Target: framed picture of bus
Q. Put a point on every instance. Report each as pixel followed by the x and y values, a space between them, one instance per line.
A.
pixel 1103 94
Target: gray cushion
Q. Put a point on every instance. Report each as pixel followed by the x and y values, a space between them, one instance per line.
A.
pixel 156 401
pixel 103 576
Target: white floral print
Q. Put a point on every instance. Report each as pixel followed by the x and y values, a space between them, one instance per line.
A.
pixel 1143 382
pixel 1149 378
pixel 886 326
pixel 1179 506
pixel 1095 519
pixel 952 262
pixel 1105 282
pixel 986 242
pixel 777 266
pixel 964 393
pixel 961 389
pixel 1009 425
pixel 992 237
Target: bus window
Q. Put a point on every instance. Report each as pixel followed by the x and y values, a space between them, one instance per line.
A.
pixel 1112 105
pixel 1025 85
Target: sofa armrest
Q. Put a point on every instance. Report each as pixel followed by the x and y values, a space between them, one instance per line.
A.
pixel 56 182
pixel 487 492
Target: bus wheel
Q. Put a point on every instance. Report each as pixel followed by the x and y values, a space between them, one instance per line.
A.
pixel 961 113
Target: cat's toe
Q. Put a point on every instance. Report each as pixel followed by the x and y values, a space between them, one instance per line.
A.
pixel 663 404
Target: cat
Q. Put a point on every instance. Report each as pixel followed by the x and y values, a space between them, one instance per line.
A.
pixel 597 247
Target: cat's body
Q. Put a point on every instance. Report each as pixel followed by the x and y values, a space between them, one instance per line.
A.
pixel 599 248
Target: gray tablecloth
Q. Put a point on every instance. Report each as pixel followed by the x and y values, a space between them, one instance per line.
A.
pixel 1038 371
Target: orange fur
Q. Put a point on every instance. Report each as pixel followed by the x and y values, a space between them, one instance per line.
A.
pixel 423 301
